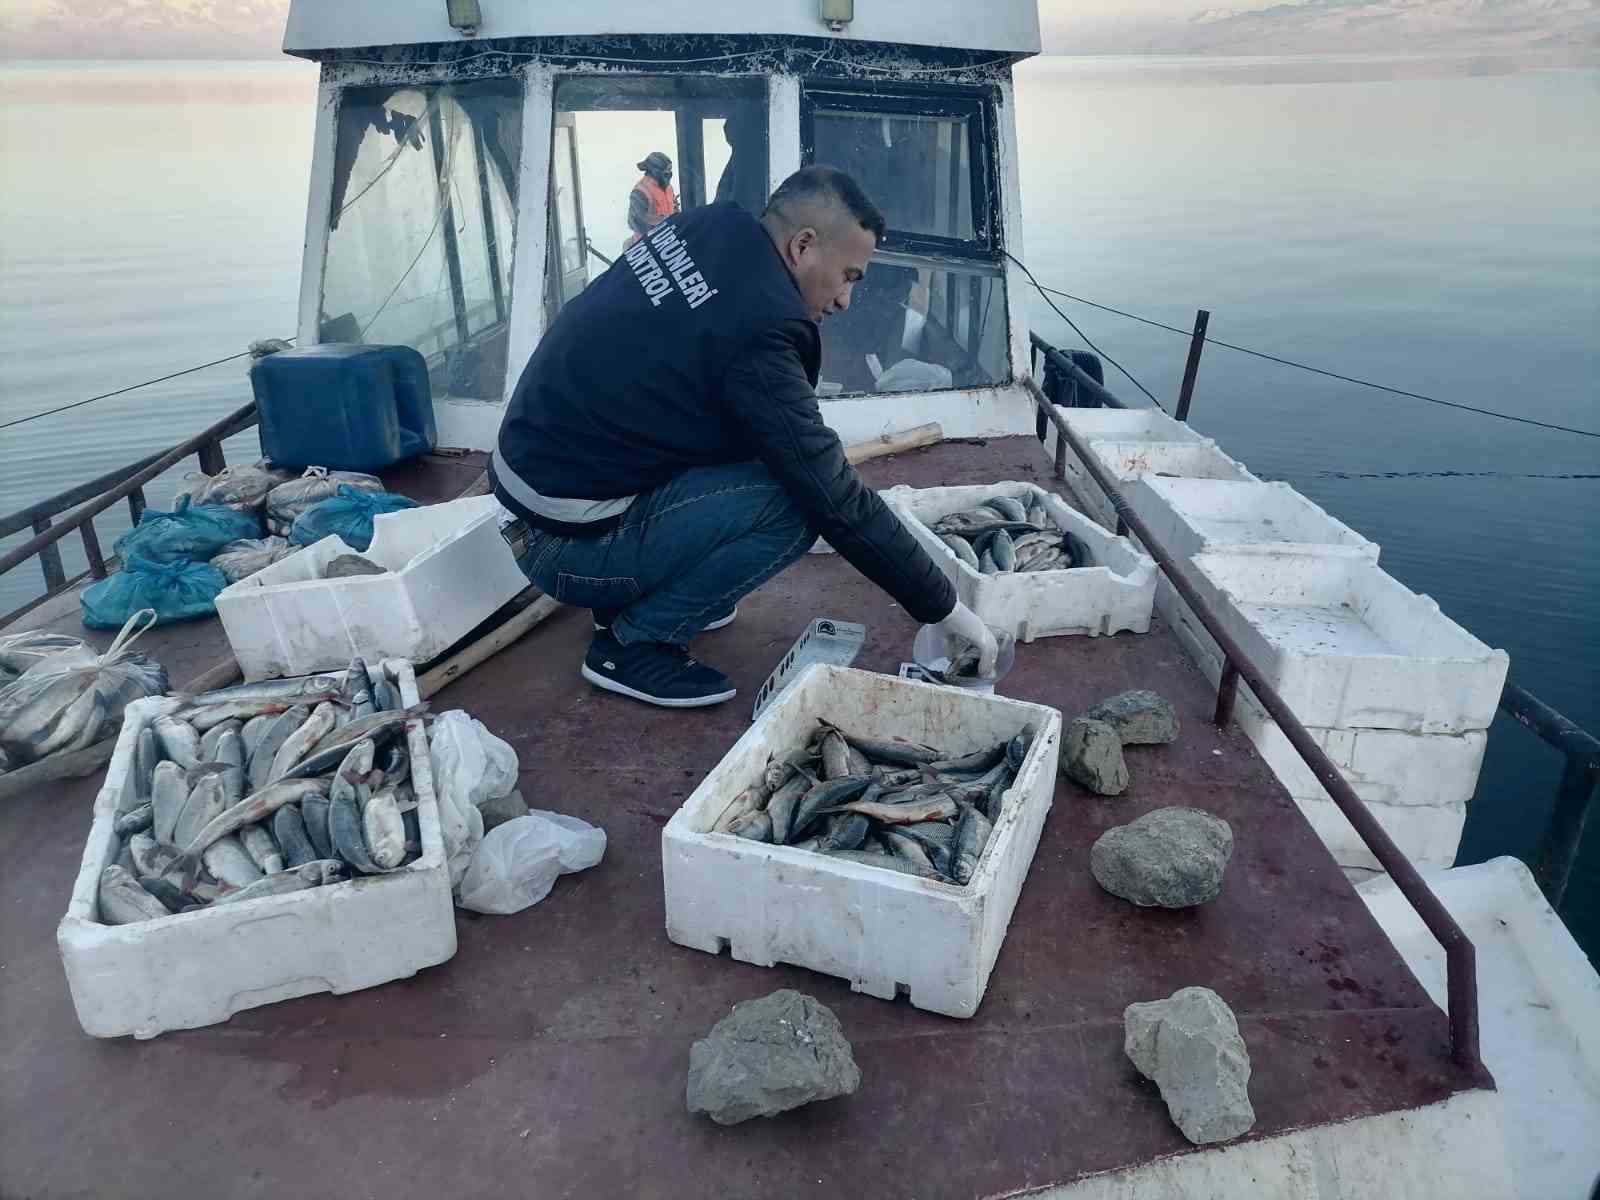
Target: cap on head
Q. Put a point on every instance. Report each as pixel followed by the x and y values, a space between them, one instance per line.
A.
pixel 655 161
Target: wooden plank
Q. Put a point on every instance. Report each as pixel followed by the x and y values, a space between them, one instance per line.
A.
pixel 895 443
pixel 136 504
pixel 485 647
pixel 91 549
pixel 211 457
pixel 55 575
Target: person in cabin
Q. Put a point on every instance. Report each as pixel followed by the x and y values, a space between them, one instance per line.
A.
pixel 665 449
pixel 652 200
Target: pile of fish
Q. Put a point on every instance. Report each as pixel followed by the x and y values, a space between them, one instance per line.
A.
pixel 888 803
pixel 264 789
pixel 1006 534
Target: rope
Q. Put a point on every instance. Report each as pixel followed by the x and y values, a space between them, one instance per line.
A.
pixel 1289 362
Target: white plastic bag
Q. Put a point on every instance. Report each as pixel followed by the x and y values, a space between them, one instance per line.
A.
pixel 516 865
pixel 914 375
pixel 470 765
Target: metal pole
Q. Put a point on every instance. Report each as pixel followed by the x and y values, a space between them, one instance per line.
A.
pixel 1197 343
pixel 1559 849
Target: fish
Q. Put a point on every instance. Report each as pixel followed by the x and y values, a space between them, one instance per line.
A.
pixel 1017 748
pixel 296 879
pixel 972 835
pixel 931 834
pixel 1076 550
pixel 135 820
pixel 258 843
pixel 385 830
pixel 385 696
pixel 250 735
pixel 19 651
pixel 961 548
pixel 209 716
pixel 894 780
pixel 314 816
pixel 1003 552
pixel 230 750
pixel 205 802
pixel 775 775
pixel 934 808
pixel 888 862
pixel 180 741
pixel 149 856
pixel 1011 510
pixel 835 754
pixel 752 826
pixel 845 831
pixel 395 767
pixel 897 751
pixel 908 848
pixel 289 830
pixel 346 833
pixel 824 797
pixel 66 713
pixel 977 522
pixel 124 859
pixel 272 739
pixel 210 737
pixel 299 743
pixel 328 753
pixel 987 565
pixel 746 802
pixel 124 902
pixel 146 754
pixel 413 830
pixel 781 806
pixel 1037 515
pixel 977 761
pixel 167 796
pixel 994 802
pixel 306 690
pixel 228 862
pixel 253 808
pixel 357 694
pixel 164 890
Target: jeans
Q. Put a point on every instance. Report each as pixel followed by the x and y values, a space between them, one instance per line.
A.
pixel 681 557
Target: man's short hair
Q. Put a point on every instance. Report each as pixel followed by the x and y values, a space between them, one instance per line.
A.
pixel 812 187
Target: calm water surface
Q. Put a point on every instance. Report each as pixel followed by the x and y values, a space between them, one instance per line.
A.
pixel 1429 225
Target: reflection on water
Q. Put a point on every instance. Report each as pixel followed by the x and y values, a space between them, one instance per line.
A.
pixel 1426 223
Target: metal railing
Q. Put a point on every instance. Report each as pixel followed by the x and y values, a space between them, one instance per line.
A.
pixel 95 497
pixel 1460 956
pixel 1558 849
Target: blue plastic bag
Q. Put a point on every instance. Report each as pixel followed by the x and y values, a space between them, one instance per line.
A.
pixel 189 533
pixel 348 514
pixel 177 591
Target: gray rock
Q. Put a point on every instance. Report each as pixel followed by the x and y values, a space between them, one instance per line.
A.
pixel 1189 1044
pixel 1140 718
pixel 1169 858
pixel 1091 754
pixel 768 1056
pixel 346 566
pixel 501 809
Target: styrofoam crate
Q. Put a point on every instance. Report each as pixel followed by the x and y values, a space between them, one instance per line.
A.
pixel 448 570
pixel 1115 594
pixel 1126 425
pixel 1190 516
pixel 888 934
pixel 1348 646
pixel 1427 836
pixel 1131 460
pixel 199 968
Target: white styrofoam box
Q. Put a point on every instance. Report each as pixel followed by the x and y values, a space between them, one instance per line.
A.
pixel 1189 516
pixel 1131 460
pixel 448 570
pixel 888 934
pixel 1126 425
pixel 1115 594
pixel 1427 836
pixel 1348 646
pixel 199 968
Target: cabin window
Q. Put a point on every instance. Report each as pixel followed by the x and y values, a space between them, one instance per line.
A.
pixel 714 131
pixel 931 312
pixel 422 229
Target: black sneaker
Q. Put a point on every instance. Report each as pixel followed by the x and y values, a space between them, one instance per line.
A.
pixel 655 672
pixel 604 617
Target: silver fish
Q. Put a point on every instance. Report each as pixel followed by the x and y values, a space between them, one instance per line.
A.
pixel 260 761
pixel 961 548
pixel 357 693
pixel 228 862
pixel 1037 514
pixel 907 848
pixel 822 798
pixel 845 831
pixel 781 806
pixel 167 797
pixel 314 818
pixel 180 741
pixel 752 826
pixel 934 808
pixel 290 831
pixel 149 856
pixel 385 830
pixel 146 754
pixel 972 835
pixel 329 752
pixel 1011 510
pixel 230 749
pixel 261 848
pixel 252 731
pixel 385 696
pixel 248 811
pixel 987 565
pixel 167 892
pixel 298 744
pixel 206 801
pixel 978 760
pixel 306 690
pixel 745 803
pixel 209 716
pixel 888 862
pixel 124 902
pixel 347 835
pixel 296 879
pixel 1003 551
pixel 835 755
pixel 893 750
pixel 210 737
pixel 135 820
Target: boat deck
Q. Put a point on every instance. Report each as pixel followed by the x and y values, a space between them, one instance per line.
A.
pixel 549 1056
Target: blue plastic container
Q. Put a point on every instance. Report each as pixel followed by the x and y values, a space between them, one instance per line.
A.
pixel 345 406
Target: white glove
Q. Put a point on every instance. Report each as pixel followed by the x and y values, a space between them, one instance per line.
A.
pixel 963 623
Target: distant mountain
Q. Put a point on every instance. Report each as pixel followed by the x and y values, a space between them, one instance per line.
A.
pixel 1362 27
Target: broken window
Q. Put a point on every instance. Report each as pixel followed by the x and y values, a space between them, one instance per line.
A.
pixel 422 227
pixel 931 312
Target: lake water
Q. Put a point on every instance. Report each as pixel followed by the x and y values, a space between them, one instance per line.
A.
pixel 1430 225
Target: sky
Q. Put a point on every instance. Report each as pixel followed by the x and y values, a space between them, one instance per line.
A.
pixel 253 28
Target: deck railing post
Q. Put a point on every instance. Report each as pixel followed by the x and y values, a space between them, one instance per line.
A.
pixel 1197 343
pixel 1559 849
pixel 136 504
pixel 211 458
pixel 55 574
pixel 1227 689
pixel 91 549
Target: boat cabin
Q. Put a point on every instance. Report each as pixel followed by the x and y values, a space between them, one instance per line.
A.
pixel 474 160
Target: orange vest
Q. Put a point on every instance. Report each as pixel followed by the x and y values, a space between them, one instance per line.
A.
pixel 663 201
